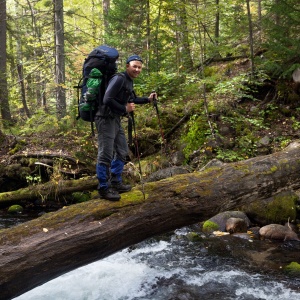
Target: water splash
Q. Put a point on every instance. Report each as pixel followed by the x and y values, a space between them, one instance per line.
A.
pixel 161 270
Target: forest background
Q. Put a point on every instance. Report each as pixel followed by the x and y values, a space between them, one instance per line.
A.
pixel 204 58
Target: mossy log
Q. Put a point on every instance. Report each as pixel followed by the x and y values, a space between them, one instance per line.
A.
pixel 50 189
pixel 39 250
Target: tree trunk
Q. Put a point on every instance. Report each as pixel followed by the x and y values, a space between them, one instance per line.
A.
pixel 183 47
pixel 4 104
pixel 251 42
pixel 22 89
pixel 37 251
pixel 217 22
pixel 106 8
pixel 59 59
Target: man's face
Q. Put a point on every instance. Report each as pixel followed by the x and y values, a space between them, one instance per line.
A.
pixel 134 68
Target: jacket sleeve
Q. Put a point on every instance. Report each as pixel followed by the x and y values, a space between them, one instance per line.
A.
pixel 140 100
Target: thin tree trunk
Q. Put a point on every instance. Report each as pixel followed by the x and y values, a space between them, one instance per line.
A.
pixel 4 104
pixel 156 38
pixel 148 35
pixel 217 23
pixel 184 50
pixel 22 89
pixel 259 13
pixel 250 38
pixel 60 59
pixel 105 7
pixel 38 54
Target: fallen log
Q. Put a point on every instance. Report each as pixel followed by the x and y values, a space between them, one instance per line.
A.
pixel 37 251
pixel 48 190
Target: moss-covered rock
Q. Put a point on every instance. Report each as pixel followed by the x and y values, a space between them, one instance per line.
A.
pixel 293 269
pixel 277 209
pixel 209 226
pixel 218 222
pixel 15 209
pixel 194 237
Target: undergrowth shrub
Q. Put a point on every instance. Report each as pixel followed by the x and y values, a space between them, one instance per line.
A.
pixel 197 132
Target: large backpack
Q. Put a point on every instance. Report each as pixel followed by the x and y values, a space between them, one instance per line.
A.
pixel 98 68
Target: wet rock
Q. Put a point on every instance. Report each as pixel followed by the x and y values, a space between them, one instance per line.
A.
pixel 213 163
pixel 276 209
pixel 220 220
pixel 254 231
pixel 165 173
pixel 234 225
pixel 278 232
pixel 265 141
pixel 178 158
pixel 243 235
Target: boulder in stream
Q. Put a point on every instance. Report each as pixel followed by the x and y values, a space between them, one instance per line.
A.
pixel 278 232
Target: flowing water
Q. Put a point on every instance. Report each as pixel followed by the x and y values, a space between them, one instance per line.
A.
pixel 166 268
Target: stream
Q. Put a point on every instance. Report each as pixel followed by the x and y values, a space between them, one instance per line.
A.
pixel 174 267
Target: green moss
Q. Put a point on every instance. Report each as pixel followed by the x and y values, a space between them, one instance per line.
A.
pixel 79 197
pixel 193 237
pixel 210 226
pixel 277 209
pixel 15 209
pixel 282 208
pixel 293 269
pixel 17 147
pixel 272 170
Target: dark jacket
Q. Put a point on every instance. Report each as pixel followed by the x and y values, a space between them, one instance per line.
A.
pixel 119 92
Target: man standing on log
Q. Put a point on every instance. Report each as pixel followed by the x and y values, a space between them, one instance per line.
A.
pixel 119 100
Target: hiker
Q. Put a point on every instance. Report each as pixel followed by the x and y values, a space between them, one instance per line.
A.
pixel 119 100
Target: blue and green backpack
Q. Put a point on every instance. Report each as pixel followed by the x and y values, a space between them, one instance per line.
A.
pixel 98 68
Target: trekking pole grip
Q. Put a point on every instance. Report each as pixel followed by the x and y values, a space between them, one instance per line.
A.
pixel 154 99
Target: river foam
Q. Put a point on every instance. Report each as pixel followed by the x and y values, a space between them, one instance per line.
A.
pixel 161 270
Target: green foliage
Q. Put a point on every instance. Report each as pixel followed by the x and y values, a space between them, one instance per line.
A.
pixel 40 122
pixel 178 46
pixel 33 179
pixel 174 38
pixel 166 84
pixel 282 30
pixel 227 155
pixel 197 132
pixel 296 123
pixel 236 88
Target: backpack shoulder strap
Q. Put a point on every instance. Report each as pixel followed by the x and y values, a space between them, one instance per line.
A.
pixel 124 79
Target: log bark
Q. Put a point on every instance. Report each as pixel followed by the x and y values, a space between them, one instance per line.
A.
pixel 37 251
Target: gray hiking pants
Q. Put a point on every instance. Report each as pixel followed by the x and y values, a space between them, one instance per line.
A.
pixel 112 144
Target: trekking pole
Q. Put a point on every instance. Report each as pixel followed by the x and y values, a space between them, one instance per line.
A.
pixel 159 122
pixel 131 115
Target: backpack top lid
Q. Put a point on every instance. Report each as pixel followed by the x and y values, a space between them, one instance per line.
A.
pixel 105 52
pixel 103 58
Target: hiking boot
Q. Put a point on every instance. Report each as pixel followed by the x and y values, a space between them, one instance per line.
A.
pixel 109 194
pixel 120 187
